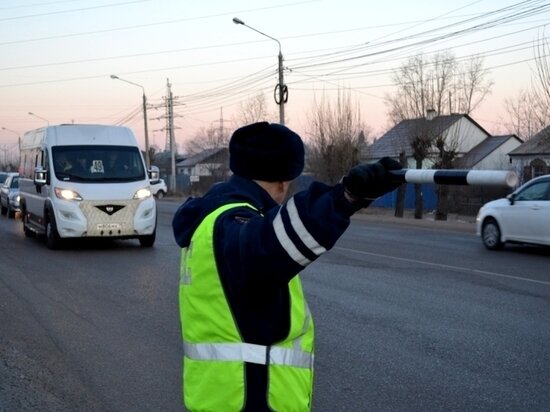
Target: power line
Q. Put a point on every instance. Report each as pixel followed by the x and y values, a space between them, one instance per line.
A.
pixel 161 23
pixel 73 10
pixel 26 6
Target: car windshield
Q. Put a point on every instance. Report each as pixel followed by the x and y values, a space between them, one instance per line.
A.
pixel 92 164
pixel 15 183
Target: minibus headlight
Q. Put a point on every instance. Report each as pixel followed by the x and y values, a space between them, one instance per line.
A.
pixel 142 193
pixel 67 194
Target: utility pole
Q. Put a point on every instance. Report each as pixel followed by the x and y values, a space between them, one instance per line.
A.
pixel 221 122
pixel 170 119
pixel 144 108
pixel 221 129
pixel 4 149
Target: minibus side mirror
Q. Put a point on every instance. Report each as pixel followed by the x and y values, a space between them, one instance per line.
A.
pixel 40 176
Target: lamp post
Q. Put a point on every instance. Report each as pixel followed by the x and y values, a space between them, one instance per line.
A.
pixel 144 102
pixel 18 144
pixel 17 134
pixel 35 115
pixel 281 91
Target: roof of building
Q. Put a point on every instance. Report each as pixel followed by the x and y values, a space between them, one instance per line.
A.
pixel 201 157
pixel 484 149
pixel 538 144
pixel 398 138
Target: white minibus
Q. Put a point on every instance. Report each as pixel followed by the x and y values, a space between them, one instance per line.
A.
pixel 85 181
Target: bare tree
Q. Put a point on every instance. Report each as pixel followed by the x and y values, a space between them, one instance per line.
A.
pixel 426 85
pixel 542 59
pixel 421 143
pixel 254 110
pixel 336 133
pixel 524 114
pixel 447 146
pixel 529 111
pixel 472 85
pixel 207 138
pixel 438 83
pixel 422 84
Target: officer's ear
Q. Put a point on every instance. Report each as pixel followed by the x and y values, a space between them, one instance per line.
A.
pixel 277 190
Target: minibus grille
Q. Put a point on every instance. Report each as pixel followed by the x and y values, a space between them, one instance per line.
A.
pixel 109 218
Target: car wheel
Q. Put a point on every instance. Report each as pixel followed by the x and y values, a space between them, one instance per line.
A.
pixel 53 240
pixel 490 234
pixel 160 194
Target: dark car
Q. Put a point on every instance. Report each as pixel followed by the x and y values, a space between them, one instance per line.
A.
pixel 9 195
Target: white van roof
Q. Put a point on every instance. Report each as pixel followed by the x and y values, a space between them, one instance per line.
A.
pixel 79 134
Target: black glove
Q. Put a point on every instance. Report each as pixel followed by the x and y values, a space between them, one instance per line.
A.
pixel 369 181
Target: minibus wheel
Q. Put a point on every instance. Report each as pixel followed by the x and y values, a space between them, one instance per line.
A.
pixel 147 240
pixel 53 240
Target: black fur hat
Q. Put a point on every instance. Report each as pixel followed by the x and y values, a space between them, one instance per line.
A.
pixel 266 151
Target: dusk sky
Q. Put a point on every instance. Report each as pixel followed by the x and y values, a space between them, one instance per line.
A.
pixel 56 57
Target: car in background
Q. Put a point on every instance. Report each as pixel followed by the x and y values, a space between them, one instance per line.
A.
pixel 522 217
pixel 3 177
pixel 9 195
pixel 159 189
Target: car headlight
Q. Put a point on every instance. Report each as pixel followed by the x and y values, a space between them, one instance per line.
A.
pixel 67 194
pixel 143 193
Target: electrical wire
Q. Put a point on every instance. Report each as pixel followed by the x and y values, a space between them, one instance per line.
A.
pixel 73 10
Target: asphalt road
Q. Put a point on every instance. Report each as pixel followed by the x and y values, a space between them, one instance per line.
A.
pixel 410 316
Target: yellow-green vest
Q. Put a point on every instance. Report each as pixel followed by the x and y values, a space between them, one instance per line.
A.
pixel 214 352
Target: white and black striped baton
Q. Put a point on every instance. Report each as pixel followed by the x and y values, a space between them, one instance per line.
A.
pixel 457 177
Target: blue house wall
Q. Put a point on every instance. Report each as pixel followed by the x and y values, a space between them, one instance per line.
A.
pixel 429 196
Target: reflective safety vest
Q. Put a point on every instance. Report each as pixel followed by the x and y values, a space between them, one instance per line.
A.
pixel 214 352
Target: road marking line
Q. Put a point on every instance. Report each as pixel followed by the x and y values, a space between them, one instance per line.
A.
pixel 481 272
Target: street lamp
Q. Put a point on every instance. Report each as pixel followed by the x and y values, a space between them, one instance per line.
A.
pixel 18 142
pixel 281 91
pixel 17 134
pixel 13 131
pixel 147 161
pixel 35 115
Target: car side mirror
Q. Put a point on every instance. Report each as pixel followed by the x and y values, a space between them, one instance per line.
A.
pixel 511 198
pixel 154 174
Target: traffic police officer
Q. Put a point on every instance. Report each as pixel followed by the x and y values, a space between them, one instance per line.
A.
pixel 247 330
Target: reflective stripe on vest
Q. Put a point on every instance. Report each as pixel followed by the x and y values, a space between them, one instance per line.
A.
pixel 248 352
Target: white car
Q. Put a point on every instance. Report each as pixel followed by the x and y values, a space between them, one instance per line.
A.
pixel 159 189
pixel 9 195
pixel 522 217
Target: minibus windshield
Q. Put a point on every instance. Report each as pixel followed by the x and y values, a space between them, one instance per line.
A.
pixel 95 164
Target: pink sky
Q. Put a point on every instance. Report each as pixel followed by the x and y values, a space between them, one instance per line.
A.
pixel 56 57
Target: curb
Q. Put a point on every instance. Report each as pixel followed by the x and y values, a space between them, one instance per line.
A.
pixel 454 222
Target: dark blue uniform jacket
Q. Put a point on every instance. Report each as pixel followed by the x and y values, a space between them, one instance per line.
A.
pixel 257 253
